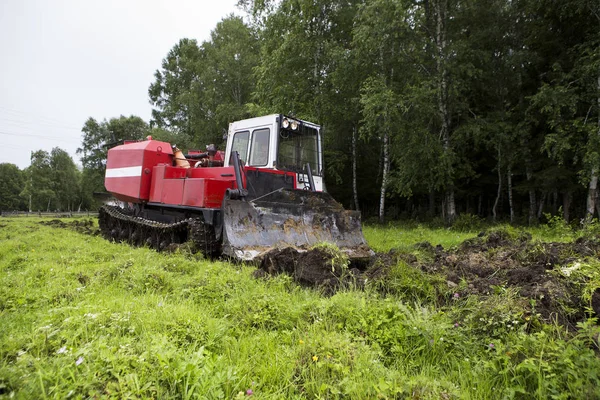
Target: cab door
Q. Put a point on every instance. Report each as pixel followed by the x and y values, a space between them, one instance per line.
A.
pixel 254 140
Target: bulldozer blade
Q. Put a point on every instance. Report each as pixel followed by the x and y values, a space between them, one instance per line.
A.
pixel 290 218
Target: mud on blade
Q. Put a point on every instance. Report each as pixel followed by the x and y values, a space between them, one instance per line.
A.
pixel 290 218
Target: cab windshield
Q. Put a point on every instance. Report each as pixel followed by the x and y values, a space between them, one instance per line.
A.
pixel 296 149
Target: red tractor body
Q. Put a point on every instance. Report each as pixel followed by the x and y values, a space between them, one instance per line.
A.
pixel 274 200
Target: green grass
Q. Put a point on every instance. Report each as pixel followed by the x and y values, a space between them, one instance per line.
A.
pixel 403 237
pixel 84 318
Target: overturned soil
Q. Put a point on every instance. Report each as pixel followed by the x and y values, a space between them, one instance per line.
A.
pixel 85 226
pixel 539 271
pixel 318 267
pixel 479 266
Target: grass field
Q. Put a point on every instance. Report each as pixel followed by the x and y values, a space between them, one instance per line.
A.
pixel 84 318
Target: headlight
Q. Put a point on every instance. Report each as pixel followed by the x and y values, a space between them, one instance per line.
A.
pixel 285 123
pixel 294 125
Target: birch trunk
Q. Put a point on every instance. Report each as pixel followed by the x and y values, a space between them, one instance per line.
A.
pixel 451 204
pixel 499 186
pixel 592 194
pixel 384 177
pixel 354 186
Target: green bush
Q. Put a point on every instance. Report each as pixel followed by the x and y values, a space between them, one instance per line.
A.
pixel 467 223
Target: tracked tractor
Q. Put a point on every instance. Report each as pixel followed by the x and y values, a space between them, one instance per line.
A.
pixel 264 191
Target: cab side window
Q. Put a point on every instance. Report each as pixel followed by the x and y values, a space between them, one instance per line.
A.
pixel 240 144
pixel 259 149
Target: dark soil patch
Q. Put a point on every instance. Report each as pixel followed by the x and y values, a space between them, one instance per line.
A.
pixel 479 266
pixel 85 226
pixel 315 268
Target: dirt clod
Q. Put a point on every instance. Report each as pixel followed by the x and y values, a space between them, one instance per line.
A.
pixel 317 267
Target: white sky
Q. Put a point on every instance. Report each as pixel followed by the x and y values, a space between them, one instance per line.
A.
pixel 63 61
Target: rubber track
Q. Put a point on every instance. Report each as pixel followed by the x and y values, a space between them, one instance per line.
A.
pixel 118 226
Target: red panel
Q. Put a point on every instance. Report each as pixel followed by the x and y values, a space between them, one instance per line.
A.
pixel 215 191
pixel 175 172
pixel 172 191
pixel 207 193
pixel 158 176
pixel 220 173
pixel 193 192
pixel 123 156
pixel 124 189
pixel 155 153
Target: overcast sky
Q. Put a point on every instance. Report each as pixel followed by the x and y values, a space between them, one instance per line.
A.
pixel 63 61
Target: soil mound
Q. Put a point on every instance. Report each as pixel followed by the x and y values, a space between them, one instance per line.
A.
pixel 494 260
pixel 85 226
pixel 319 267
pixel 479 266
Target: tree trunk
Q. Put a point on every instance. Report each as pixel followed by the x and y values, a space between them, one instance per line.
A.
pixel 384 177
pixel 441 7
pixel 380 169
pixel 499 186
pixel 354 187
pixel 566 206
pixel 593 187
pixel 541 208
pixel 431 203
pixel 450 205
pixel 444 201
pixel 592 195
pixel 510 194
pixel 532 200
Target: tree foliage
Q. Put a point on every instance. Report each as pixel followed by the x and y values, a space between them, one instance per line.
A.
pixel 98 137
pixel 490 105
pixel 201 88
pixel 11 184
pixel 433 107
pixel 51 182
